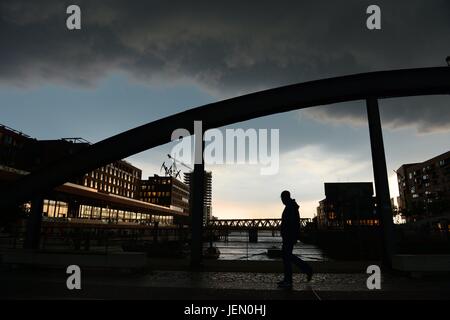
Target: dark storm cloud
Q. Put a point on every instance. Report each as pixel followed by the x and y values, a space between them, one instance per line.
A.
pixel 426 114
pixel 229 48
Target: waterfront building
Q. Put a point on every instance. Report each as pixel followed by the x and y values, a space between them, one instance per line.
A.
pixel 169 192
pixel 119 178
pixel 110 193
pixel 424 188
pixel 347 204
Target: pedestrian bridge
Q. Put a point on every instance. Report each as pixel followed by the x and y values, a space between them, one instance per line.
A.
pixel 248 224
pixel 369 87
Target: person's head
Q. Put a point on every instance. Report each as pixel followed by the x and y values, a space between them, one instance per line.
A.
pixel 285 197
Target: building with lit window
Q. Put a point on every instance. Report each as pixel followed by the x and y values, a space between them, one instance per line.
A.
pixel 119 178
pixel 424 188
pixel 207 206
pixel 347 204
pixel 109 194
pixel 169 192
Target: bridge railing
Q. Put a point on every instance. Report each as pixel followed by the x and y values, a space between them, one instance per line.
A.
pixel 246 224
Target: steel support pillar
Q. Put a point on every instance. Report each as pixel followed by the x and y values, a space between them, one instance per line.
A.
pixel 253 235
pixel 197 205
pixel 33 231
pixel 383 200
pixel 73 209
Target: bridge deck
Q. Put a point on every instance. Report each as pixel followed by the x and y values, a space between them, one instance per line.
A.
pixel 247 224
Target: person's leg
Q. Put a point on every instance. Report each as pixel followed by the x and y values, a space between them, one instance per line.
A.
pixel 287 261
pixel 302 265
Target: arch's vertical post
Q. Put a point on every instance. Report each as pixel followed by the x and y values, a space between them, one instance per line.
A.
pixel 383 200
pixel 197 198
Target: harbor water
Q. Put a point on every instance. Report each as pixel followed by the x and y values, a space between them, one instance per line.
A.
pixel 239 248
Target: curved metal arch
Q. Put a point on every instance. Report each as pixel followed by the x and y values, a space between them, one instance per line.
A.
pixel 382 84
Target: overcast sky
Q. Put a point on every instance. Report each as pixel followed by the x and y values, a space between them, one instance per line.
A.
pixel 135 62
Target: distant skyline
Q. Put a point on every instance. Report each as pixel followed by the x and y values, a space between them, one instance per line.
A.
pixel 133 64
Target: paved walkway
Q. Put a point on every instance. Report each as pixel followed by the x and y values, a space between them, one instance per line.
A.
pixel 215 285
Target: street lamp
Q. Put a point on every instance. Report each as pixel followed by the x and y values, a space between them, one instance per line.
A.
pixel 448 60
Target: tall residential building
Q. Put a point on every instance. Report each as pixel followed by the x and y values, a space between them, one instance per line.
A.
pixel 169 192
pixel 207 213
pixel 425 188
pixel 347 204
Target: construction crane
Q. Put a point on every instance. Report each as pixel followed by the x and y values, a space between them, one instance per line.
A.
pixel 172 170
pixel 180 162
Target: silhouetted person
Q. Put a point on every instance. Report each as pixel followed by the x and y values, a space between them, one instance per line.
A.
pixel 290 233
